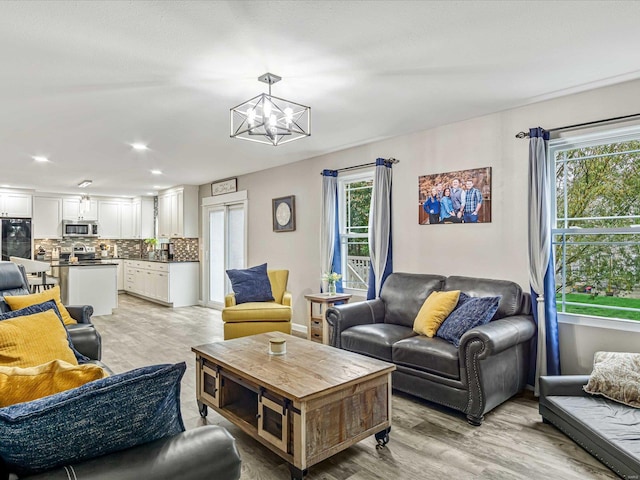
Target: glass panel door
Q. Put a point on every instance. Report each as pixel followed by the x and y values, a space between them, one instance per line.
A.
pixel 226 245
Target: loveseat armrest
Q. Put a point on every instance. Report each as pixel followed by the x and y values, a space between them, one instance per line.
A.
pixel 341 317
pixel 204 452
pixel 563 385
pixel 86 340
pixel 287 299
pixel 230 300
pixel 80 313
pixel 500 335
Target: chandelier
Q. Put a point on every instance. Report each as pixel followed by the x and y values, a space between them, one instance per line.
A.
pixel 268 119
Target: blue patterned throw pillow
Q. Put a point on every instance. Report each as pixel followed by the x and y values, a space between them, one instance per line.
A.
pixel 43 307
pixel 470 312
pixel 98 418
pixel 251 284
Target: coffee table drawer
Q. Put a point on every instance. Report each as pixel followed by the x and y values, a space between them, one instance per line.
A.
pixel 210 383
pixel 273 422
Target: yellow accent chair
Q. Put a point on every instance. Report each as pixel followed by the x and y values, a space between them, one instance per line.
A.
pixel 259 317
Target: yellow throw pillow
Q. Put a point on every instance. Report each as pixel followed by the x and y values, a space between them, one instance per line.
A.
pixel 35 339
pixel 26 384
pixel 16 302
pixel 435 309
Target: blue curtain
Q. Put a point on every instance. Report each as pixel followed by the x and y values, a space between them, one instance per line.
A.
pixel 380 234
pixel 330 254
pixel 546 351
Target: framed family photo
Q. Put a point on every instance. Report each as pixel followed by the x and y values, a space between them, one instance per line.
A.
pixel 461 196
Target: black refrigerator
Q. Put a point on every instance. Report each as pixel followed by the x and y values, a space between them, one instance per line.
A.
pixel 16 238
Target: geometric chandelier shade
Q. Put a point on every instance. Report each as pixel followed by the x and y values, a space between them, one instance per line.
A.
pixel 271 120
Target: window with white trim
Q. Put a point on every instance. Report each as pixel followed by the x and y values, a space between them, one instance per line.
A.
pixel 354 202
pixel 597 224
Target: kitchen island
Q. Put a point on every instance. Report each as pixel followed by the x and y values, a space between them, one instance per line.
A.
pixel 89 282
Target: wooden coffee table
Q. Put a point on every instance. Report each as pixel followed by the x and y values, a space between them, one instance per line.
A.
pixel 306 405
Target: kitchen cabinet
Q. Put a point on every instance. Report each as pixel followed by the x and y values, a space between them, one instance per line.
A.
pixel 126 220
pixel 77 209
pixel 178 212
pixel 171 284
pixel 15 205
pixel 143 218
pixel 119 272
pixel 109 219
pixel 47 217
pixel 118 219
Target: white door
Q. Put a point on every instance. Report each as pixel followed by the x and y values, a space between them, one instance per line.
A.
pixel 225 247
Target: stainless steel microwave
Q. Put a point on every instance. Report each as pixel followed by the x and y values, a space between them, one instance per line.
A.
pixel 79 229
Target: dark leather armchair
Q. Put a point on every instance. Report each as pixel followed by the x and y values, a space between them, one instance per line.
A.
pixel 200 454
pixel 85 338
pixel 490 365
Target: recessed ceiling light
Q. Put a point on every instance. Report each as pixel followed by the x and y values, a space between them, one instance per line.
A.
pixel 38 158
pixel 150 193
pixel 5 186
pixel 156 172
pixel 141 147
pixel 157 187
pixel 85 183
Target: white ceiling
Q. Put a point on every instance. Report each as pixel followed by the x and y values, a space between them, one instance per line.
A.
pixel 80 81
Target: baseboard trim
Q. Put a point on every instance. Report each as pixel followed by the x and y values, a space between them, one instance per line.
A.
pixel 299 328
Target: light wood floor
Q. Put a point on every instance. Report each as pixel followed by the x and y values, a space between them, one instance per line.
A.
pixel 427 441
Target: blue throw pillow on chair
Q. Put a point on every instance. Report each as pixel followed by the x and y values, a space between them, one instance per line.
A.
pixel 251 284
pixel 98 418
pixel 43 307
pixel 470 312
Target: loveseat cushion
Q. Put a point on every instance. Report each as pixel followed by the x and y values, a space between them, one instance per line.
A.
pixel 404 294
pixel 433 355
pixel 512 301
pixel 375 340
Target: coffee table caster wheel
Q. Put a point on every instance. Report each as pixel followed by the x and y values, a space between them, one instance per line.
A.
pixel 296 473
pixel 383 438
pixel 202 408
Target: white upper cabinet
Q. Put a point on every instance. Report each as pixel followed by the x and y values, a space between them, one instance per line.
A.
pixel 76 209
pixel 15 205
pixel 143 221
pixel 178 212
pixel 126 220
pixel 109 214
pixel 47 217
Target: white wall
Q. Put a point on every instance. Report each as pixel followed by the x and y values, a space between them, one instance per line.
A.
pixel 494 250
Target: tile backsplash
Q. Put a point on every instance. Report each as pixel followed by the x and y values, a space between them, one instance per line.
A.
pixel 184 248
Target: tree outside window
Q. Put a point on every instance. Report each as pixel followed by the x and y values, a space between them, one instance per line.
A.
pixel 597 230
pixel 355 202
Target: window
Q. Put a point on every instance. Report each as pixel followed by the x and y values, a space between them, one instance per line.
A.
pixel 597 224
pixel 354 202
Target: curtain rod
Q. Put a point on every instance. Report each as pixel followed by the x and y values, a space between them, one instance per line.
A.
pixel 586 124
pixel 370 164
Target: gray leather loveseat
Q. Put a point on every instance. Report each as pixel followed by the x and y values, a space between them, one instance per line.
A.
pixel 606 429
pixel 201 454
pixel 489 367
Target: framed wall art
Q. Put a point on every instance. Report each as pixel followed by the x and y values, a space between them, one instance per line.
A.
pixel 284 214
pixel 221 187
pixel 461 196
